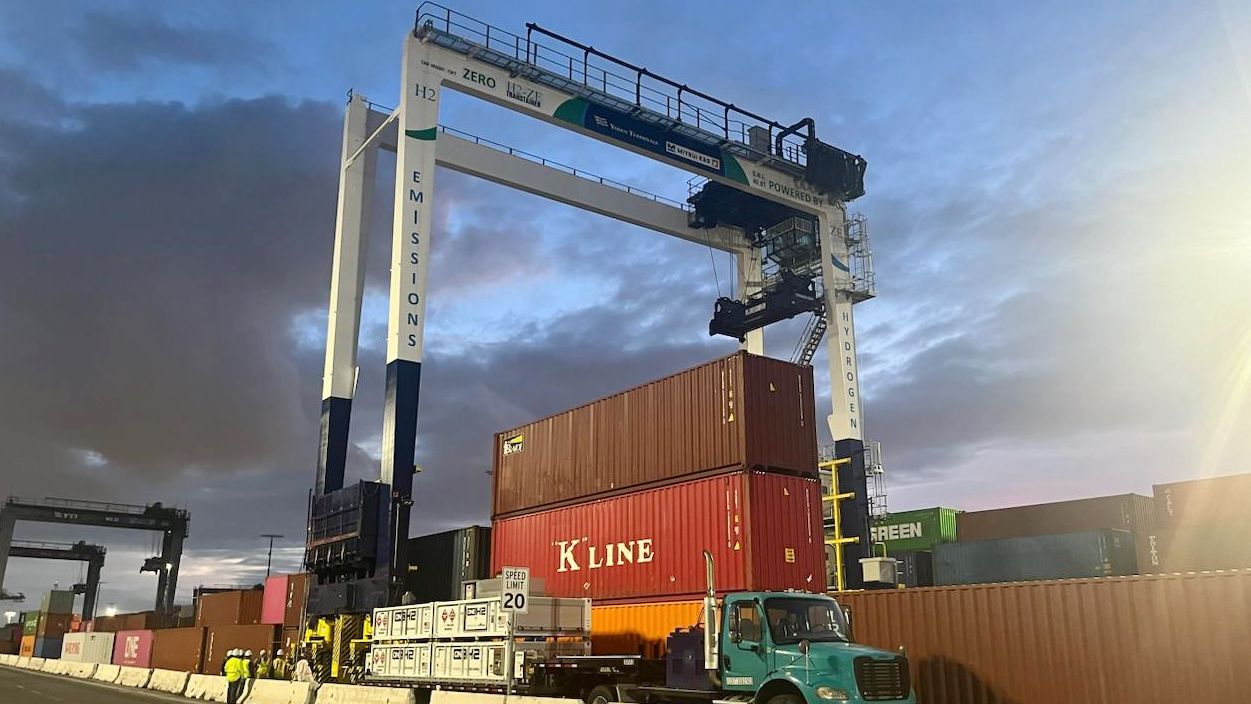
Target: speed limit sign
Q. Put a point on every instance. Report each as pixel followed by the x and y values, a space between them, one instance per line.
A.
pixel 515 593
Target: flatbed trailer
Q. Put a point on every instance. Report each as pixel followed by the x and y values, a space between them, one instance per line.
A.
pixel 763 647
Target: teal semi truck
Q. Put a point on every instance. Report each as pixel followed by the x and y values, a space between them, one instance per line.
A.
pixel 754 648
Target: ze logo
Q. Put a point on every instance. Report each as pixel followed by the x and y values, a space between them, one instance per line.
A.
pixel 132 647
pixel 602 122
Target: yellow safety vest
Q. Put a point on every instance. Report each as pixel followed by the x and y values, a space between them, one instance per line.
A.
pixel 234 669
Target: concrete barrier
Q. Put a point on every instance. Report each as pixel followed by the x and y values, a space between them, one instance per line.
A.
pixel 170 681
pixel 35 664
pixel 134 676
pixel 277 692
pixel 352 694
pixel 446 697
pixel 23 662
pixel 81 670
pixel 8 660
pixel 55 667
pixel 107 673
pixel 207 687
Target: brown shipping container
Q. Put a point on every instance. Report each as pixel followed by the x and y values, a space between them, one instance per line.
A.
pixel 239 608
pixel 1113 640
pixel 763 529
pixel 741 411
pixel 290 640
pixel 180 649
pixel 140 621
pixel 1217 501
pixel 10 647
pixel 27 647
pixel 222 638
pixel 1131 512
pixel 297 599
pixel 54 626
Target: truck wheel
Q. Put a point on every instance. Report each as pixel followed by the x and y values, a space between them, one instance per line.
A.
pixel 605 695
pixel 786 699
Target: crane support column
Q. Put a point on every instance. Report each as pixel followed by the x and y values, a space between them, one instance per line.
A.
pixel 347 288
pixel 410 260
pixel 7 522
pixel 167 578
pixel 94 566
pixel 749 263
pixel 841 341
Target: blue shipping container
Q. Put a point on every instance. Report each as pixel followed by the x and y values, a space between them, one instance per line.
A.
pixel 1064 556
pixel 48 648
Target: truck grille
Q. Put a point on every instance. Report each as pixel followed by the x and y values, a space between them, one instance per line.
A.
pixel 882 680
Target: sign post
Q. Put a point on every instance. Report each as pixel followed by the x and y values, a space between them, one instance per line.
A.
pixel 514 599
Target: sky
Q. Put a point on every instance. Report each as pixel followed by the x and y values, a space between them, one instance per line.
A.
pixel 1058 198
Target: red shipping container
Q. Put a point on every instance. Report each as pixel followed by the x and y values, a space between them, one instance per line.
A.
pixel 739 412
pixel 133 648
pixel 237 608
pixel 274 604
pixel 764 531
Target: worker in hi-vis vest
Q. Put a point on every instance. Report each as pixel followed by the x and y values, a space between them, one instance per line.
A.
pixel 235 669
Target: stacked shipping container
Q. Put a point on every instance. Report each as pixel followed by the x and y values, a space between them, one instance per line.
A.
pixel 87 647
pixel 1203 524
pixel 1123 512
pixel 616 500
pixel 180 649
pixel 442 562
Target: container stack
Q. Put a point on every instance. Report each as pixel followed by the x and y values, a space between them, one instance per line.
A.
pixel 1203 524
pixel 11 638
pixel 44 630
pixel 1130 516
pixel 618 499
pixel 284 604
pixel 232 620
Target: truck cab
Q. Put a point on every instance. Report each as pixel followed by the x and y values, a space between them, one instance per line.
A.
pixel 795 648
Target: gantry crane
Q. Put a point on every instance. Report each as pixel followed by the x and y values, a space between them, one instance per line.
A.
pixel 773 195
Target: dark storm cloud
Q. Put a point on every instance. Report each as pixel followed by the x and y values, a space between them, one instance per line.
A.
pixel 127 42
pixel 170 245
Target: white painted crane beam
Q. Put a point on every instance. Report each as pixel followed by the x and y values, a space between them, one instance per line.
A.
pixel 580 191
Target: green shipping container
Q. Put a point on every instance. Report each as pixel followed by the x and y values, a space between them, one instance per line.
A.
pixel 30 623
pixel 921 529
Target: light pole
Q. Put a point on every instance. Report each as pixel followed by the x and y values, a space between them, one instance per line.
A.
pixel 269 561
pixel 10 615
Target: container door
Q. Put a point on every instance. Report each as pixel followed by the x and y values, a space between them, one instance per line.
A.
pixel 743 658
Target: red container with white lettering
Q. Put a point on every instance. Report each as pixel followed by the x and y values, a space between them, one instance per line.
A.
pixel 133 648
pixel 763 530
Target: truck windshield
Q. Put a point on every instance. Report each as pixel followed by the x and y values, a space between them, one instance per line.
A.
pixel 792 620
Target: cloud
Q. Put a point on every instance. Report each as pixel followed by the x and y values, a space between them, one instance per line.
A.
pixel 128 43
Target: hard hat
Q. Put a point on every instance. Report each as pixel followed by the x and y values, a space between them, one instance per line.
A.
pixel 230 653
pixel 278 651
pixel 247 653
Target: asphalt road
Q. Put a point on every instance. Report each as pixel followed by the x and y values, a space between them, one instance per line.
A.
pixel 25 687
